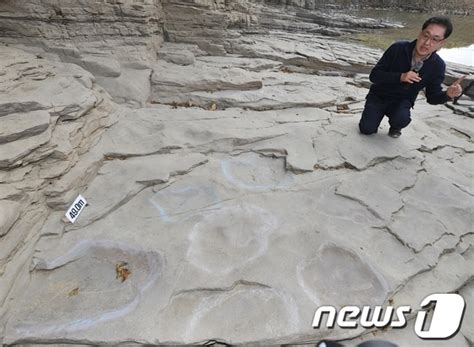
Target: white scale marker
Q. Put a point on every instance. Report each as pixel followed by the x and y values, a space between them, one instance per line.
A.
pixel 76 208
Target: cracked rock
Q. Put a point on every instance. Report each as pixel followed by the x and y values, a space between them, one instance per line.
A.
pixel 230 194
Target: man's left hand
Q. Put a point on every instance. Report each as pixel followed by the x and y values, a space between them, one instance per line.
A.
pixel 455 89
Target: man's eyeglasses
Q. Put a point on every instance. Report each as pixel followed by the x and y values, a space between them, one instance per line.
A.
pixel 427 37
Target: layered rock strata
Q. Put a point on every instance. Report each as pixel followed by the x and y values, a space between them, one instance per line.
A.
pixel 118 41
pixel 449 6
pixel 51 115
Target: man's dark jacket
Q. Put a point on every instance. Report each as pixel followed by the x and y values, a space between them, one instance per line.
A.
pixel 396 60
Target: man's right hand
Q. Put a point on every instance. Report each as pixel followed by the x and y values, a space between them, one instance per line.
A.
pixel 410 77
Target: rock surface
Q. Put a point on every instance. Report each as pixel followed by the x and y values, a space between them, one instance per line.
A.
pixel 439 6
pixel 51 114
pixel 231 206
pixel 119 42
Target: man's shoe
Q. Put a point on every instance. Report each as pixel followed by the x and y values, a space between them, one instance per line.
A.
pixel 395 132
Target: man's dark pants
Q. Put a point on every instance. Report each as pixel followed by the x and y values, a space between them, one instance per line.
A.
pixel 397 111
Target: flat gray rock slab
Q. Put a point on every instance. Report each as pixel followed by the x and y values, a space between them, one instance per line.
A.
pixel 235 211
pixel 71 297
pixel 237 84
pixel 309 50
pixel 15 126
pixel 10 213
pixel 132 176
pixel 220 227
pixel 11 153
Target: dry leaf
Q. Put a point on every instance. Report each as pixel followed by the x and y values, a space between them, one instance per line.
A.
pixel 74 292
pixel 122 272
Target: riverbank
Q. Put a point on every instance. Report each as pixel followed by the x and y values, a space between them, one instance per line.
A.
pixel 410 27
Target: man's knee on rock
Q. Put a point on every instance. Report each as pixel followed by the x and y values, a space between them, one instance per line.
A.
pixel 367 130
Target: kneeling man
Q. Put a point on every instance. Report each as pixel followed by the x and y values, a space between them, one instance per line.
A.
pixel 405 69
